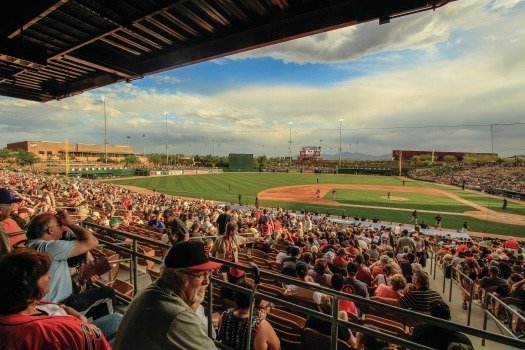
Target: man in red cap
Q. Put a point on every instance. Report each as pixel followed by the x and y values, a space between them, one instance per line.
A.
pixel 161 315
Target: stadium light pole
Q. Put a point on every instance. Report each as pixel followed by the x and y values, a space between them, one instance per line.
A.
pixel 144 144
pixel 340 144
pixel 166 136
pixel 104 100
pixel 290 147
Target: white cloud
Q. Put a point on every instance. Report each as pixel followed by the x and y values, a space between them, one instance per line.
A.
pixel 468 69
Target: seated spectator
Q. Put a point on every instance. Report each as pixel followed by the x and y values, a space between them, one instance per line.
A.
pixel 301 272
pixel 406 266
pixel 161 315
pixel 22 217
pixel 417 299
pixel 288 264
pixel 329 256
pixel 26 279
pixel 6 207
pixel 235 276
pixel 352 285
pixel 325 327
pixel 44 234
pixel 320 273
pixel 437 337
pixel 234 326
pixel 493 280
pixel 363 273
pixel 340 259
pixel 394 289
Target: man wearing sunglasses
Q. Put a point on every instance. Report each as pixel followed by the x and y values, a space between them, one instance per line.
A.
pixel 161 315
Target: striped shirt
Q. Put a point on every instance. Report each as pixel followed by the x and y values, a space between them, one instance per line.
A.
pixel 418 300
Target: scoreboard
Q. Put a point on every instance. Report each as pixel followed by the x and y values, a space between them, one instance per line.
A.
pixel 241 160
pixel 310 152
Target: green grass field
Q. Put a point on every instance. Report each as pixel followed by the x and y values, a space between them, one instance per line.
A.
pixel 216 187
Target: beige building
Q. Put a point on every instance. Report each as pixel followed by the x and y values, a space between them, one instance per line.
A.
pixel 48 150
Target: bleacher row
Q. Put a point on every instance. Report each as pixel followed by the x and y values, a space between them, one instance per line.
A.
pixel 502 311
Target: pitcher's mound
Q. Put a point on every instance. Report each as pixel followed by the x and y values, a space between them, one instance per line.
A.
pixel 392 198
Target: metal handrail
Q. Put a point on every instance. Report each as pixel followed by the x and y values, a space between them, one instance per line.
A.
pixel 469 292
pixel 487 314
pixel 376 305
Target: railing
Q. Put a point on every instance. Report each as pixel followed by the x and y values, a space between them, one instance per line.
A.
pixel 335 322
pixel 489 298
pixel 363 303
pixel 470 292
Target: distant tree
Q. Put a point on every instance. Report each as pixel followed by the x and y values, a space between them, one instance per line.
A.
pixel 450 159
pixel 26 158
pixel 6 154
pixel 131 159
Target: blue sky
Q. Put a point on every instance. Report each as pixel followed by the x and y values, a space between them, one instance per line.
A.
pixel 435 80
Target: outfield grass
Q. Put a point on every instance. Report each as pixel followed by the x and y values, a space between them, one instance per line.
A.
pixel 419 201
pixel 216 187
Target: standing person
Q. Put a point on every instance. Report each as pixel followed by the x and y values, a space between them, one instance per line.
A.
pixel 318 194
pixel 227 247
pixel 256 201
pixel 161 315
pixel 224 219
pixel 414 217
pixel 403 182
pixel 48 198
pixel 266 227
pixel 317 181
pixel 229 187
pixel 464 229
pixel 388 197
pixel 44 234
pixel 504 204
pixel 23 323
pixel 437 221
pixel 333 194
pixel 240 197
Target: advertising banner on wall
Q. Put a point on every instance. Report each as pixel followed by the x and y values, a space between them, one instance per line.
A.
pixel 203 171
pixel 215 171
pixel 190 172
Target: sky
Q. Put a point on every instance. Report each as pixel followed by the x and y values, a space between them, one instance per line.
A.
pixel 448 80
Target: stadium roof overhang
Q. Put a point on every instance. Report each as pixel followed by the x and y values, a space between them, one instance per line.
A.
pixel 52 49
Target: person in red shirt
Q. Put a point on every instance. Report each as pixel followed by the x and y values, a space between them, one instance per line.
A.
pixel 10 225
pixel 363 273
pixel 22 325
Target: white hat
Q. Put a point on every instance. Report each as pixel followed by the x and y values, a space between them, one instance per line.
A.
pixel 96 213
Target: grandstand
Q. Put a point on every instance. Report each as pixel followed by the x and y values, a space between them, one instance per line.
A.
pixel 136 263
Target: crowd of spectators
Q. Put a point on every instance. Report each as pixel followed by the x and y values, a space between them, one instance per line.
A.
pixel 488 179
pixel 381 263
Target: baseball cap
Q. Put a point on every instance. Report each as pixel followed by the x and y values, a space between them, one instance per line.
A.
pixel 23 210
pixel 439 309
pixel 96 213
pixel 5 197
pixel 494 269
pixel 294 251
pixel 330 255
pixel 177 226
pixel 114 221
pixel 236 272
pixel 301 268
pixel 190 255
